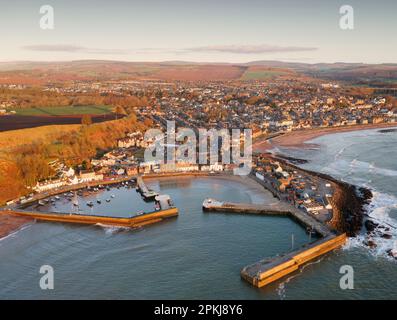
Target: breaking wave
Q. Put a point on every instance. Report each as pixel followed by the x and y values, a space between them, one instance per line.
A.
pixel 371 168
pixel 379 211
pixel 109 229
pixel 281 289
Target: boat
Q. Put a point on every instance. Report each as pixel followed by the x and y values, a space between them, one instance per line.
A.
pixel 99 201
pixel 90 204
pixel 107 200
pixel 41 203
pixel 57 198
pixel 112 196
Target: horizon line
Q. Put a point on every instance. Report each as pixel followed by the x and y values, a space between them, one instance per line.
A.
pixel 193 62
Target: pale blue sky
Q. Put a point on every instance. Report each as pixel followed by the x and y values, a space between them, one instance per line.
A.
pixel 204 30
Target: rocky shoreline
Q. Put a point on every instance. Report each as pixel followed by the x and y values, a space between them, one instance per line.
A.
pixel 350 201
pixel 351 204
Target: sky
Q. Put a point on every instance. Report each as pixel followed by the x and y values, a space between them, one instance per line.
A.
pixel 232 31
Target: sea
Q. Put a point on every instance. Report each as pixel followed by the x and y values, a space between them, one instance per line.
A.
pixel 199 255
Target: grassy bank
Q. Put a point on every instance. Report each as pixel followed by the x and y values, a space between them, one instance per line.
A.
pixel 25 154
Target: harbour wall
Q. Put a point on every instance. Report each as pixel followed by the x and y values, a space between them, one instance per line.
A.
pixel 132 222
pixel 265 272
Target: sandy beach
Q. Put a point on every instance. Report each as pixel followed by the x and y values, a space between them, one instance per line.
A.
pixel 298 139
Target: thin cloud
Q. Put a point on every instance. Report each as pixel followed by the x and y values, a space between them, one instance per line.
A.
pixel 234 49
pixel 73 49
pixel 250 49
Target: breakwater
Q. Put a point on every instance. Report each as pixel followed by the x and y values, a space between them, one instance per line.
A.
pixel 269 270
pixel 350 201
pixel 279 208
pixel 131 222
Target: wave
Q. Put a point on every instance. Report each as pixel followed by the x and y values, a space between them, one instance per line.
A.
pixel 370 167
pixel 281 289
pixel 379 211
pixel 110 229
pixel 341 151
pixel 352 169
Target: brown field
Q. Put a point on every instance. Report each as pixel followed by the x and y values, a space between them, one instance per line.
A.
pixel 15 122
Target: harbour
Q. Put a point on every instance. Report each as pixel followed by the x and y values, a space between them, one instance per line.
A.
pixel 36 207
pixel 269 270
pixel 170 256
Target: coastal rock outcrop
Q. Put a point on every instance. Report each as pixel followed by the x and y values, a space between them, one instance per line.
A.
pixel 350 200
pixel 370 225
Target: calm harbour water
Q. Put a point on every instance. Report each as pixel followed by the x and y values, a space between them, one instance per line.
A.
pixel 199 255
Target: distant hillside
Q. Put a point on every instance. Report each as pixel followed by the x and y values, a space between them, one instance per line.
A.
pixel 91 70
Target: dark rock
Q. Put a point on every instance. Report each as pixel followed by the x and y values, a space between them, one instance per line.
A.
pixel 386 235
pixel 370 243
pixel 392 253
pixel 370 225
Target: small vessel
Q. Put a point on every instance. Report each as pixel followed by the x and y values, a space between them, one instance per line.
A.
pixel 75 201
pixel 99 201
pixel 57 198
pixel 41 203
pixel 112 196
pixel 90 204
pixel 107 200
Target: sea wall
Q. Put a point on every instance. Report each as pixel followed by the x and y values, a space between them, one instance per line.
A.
pixel 350 201
pixel 265 272
pixel 135 221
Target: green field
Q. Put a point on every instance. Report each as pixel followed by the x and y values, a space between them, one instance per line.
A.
pixel 64 110
pixel 260 75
